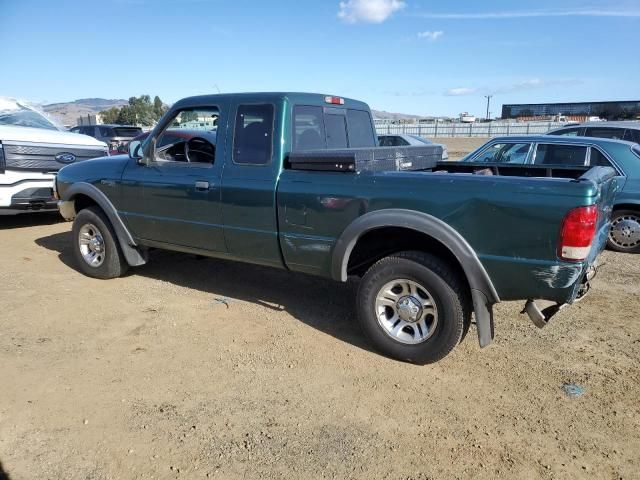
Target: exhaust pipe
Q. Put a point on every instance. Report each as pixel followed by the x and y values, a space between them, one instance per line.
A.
pixel 540 317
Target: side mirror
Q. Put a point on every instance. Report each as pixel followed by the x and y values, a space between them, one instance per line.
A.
pixel 135 150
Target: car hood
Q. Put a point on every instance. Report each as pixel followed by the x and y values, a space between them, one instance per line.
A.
pixel 10 133
pixel 93 170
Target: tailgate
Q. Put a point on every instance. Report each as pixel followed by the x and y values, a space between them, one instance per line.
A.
pixel 604 180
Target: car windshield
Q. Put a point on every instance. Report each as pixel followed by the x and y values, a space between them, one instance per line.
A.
pixel 420 139
pixel 21 115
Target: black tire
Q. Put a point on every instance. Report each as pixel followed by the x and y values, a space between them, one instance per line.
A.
pixel 444 286
pixel 113 263
pixel 623 242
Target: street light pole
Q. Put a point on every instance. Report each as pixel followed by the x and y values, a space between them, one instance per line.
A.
pixel 488 97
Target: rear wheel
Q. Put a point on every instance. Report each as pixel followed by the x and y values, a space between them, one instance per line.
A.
pixel 624 235
pixel 95 245
pixel 413 307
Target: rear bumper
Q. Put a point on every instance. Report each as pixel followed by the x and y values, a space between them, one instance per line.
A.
pixel 540 312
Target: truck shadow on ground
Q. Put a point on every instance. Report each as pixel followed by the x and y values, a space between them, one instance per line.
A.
pixel 322 304
pixel 3 475
pixel 29 220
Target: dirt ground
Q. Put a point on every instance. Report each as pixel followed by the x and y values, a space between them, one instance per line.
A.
pixel 189 368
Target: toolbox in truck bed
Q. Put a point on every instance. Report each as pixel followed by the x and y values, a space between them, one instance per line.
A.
pixel 367 159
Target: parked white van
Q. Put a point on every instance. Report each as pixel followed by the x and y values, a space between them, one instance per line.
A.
pixel 32 149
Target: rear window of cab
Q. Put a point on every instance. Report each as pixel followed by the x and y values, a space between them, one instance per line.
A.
pixel 317 127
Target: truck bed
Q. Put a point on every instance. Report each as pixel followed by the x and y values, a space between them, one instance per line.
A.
pixel 511 220
pixel 511 170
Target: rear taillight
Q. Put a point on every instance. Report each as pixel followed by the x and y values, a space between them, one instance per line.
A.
pixel 577 232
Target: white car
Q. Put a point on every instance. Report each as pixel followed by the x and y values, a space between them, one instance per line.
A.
pixel 32 150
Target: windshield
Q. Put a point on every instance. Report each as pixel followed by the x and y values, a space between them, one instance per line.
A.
pixel 18 114
pixel 420 139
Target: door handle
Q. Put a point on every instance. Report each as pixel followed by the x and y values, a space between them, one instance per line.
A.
pixel 202 186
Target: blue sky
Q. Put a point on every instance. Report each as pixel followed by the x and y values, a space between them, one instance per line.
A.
pixel 412 56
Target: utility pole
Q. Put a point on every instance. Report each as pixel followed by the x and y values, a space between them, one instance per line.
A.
pixel 488 97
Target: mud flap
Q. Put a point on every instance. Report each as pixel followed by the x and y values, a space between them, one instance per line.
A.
pixel 483 312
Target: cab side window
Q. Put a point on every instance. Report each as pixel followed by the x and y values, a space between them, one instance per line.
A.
pixel 253 134
pixel 190 137
pixel 554 154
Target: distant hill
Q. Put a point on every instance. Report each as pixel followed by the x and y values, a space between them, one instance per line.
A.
pixel 381 114
pixel 68 112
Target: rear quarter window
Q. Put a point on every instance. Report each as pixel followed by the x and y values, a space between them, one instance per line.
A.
pixel 253 134
pixel 598 159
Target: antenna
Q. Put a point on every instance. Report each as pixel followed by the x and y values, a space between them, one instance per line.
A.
pixel 216 85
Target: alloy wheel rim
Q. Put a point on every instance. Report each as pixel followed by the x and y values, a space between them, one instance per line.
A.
pixel 92 245
pixel 625 231
pixel 406 311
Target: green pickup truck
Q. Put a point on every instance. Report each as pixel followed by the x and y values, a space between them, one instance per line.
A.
pixel 279 179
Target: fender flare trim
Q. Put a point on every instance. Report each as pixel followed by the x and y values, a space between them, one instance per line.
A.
pixel 483 293
pixel 133 255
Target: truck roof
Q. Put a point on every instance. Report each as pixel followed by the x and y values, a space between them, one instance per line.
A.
pixel 269 97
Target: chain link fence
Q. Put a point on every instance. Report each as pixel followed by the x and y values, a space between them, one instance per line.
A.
pixel 445 129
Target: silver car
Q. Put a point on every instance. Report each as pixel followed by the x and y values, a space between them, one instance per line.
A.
pixel 629 130
pixel 403 140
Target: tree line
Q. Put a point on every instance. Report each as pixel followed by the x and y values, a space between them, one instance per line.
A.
pixel 140 111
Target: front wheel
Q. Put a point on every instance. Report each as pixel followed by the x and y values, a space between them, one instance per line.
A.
pixel 95 245
pixel 624 235
pixel 413 307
